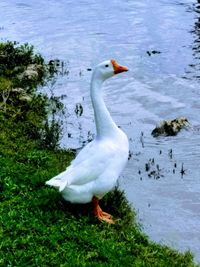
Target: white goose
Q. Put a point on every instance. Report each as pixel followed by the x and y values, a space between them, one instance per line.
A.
pixel 95 170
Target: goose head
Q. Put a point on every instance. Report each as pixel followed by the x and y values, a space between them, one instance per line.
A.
pixel 107 69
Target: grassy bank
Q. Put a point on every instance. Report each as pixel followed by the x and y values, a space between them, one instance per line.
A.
pixel 37 228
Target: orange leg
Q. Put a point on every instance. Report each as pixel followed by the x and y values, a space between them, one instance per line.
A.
pixel 101 215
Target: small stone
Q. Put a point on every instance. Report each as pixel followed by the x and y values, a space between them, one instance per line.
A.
pixel 170 127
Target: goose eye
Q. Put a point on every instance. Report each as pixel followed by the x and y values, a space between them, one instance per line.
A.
pixel 106 65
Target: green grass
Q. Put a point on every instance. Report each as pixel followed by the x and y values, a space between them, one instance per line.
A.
pixel 39 229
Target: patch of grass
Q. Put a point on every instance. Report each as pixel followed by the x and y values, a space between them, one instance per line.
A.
pixel 37 227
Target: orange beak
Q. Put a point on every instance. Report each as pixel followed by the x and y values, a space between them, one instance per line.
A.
pixel 117 68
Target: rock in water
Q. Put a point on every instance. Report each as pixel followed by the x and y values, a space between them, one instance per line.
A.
pixel 170 127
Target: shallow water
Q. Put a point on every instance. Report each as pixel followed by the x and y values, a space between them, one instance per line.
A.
pixel 158 86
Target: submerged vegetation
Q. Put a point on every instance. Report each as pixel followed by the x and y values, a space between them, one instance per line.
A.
pixel 37 227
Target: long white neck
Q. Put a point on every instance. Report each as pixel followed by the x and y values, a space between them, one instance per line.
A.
pixel 105 126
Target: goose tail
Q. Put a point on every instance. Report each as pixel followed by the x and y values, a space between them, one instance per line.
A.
pixel 58 181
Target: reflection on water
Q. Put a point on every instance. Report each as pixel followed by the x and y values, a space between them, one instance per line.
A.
pixel 194 67
pixel 196 47
pixel 162 176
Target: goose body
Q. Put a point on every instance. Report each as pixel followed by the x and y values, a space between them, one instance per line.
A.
pixel 95 170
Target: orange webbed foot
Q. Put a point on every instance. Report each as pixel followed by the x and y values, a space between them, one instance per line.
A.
pixel 101 215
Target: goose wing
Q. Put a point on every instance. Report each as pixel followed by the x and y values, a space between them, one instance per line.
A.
pixel 89 164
